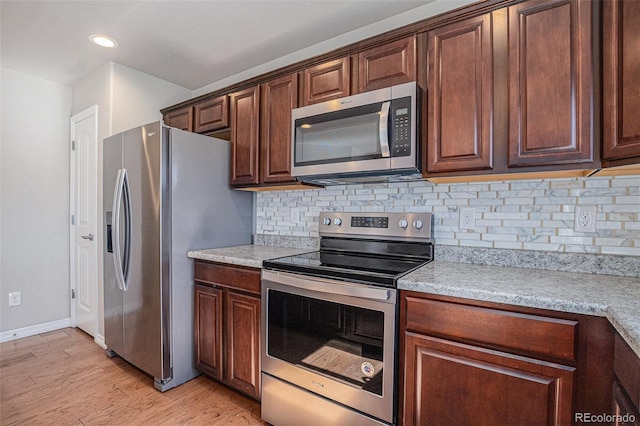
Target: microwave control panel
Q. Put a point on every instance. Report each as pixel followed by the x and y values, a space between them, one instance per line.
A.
pixel 402 127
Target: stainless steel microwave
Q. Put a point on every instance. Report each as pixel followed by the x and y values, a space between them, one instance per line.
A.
pixel 367 137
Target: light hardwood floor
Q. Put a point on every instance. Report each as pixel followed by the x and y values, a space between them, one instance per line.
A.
pixel 64 378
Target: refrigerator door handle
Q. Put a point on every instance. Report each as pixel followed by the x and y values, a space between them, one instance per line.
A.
pixel 127 232
pixel 117 204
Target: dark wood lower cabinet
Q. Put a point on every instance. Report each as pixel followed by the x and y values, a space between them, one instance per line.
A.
pixel 626 389
pixel 451 383
pixel 624 412
pixel 468 362
pixel 208 330
pixel 227 325
pixel 243 342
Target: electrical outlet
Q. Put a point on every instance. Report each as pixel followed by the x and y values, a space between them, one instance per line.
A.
pixel 14 298
pixel 585 220
pixel 467 217
pixel 295 214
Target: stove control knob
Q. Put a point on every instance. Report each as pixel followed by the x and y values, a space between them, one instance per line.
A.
pixel 403 223
pixel 338 221
pixel 327 221
pixel 417 224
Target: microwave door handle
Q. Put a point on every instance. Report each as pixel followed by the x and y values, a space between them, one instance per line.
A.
pixel 383 128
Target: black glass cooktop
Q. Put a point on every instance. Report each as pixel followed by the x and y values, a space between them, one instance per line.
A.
pixel 355 267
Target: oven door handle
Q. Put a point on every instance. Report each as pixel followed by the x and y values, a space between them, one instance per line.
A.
pixel 327 286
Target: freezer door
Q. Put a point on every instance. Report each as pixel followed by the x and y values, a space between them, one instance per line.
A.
pixel 113 325
pixel 145 160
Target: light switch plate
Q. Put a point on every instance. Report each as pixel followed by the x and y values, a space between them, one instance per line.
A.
pixel 585 220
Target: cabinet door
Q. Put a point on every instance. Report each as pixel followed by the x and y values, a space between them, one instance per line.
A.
pixel 242 324
pixel 245 110
pixel 448 383
pixel 327 81
pixel 550 82
pixel 279 97
pixel 387 65
pixel 460 96
pixel 626 414
pixel 212 115
pixel 621 79
pixel 208 330
pixel 181 119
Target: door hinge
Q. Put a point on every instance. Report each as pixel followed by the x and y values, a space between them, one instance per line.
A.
pixel 73 293
pixel 73 145
pixel 73 219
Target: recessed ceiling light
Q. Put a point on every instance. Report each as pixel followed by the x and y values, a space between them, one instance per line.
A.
pixel 103 40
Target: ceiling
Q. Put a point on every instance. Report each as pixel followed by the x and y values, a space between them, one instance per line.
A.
pixel 188 43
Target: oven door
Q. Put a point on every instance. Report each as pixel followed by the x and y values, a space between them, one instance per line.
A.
pixel 332 338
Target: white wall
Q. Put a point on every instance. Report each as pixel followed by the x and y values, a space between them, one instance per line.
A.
pixel 34 178
pixel 126 98
pixel 35 200
pixel 137 97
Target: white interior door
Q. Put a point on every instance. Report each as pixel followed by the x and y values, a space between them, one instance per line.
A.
pixel 84 239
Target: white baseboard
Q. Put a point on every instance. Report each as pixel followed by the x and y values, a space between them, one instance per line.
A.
pixel 99 339
pixel 19 333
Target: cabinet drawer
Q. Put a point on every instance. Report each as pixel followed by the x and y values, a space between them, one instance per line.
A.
pixel 247 279
pixel 626 366
pixel 549 337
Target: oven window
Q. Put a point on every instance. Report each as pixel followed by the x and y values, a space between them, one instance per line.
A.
pixel 339 341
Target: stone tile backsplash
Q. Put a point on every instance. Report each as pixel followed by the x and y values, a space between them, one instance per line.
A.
pixel 525 215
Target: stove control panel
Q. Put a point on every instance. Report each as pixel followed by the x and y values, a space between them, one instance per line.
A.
pixel 401 226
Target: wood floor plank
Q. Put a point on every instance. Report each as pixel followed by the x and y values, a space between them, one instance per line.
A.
pixel 64 378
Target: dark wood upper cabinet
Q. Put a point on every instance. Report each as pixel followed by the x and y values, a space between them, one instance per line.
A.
pixel 509 87
pixel 279 98
pixel 245 122
pixel 460 96
pixel 180 119
pixel 212 115
pixel 326 81
pixel 387 65
pixel 551 87
pixel 621 79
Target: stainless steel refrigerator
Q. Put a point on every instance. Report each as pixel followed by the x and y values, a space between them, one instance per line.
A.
pixel 166 192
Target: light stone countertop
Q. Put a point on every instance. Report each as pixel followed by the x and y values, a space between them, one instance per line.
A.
pixel 248 255
pixel 613 297
pixel 617 298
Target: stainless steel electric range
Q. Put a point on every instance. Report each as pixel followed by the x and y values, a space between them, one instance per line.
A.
pixel 329 320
